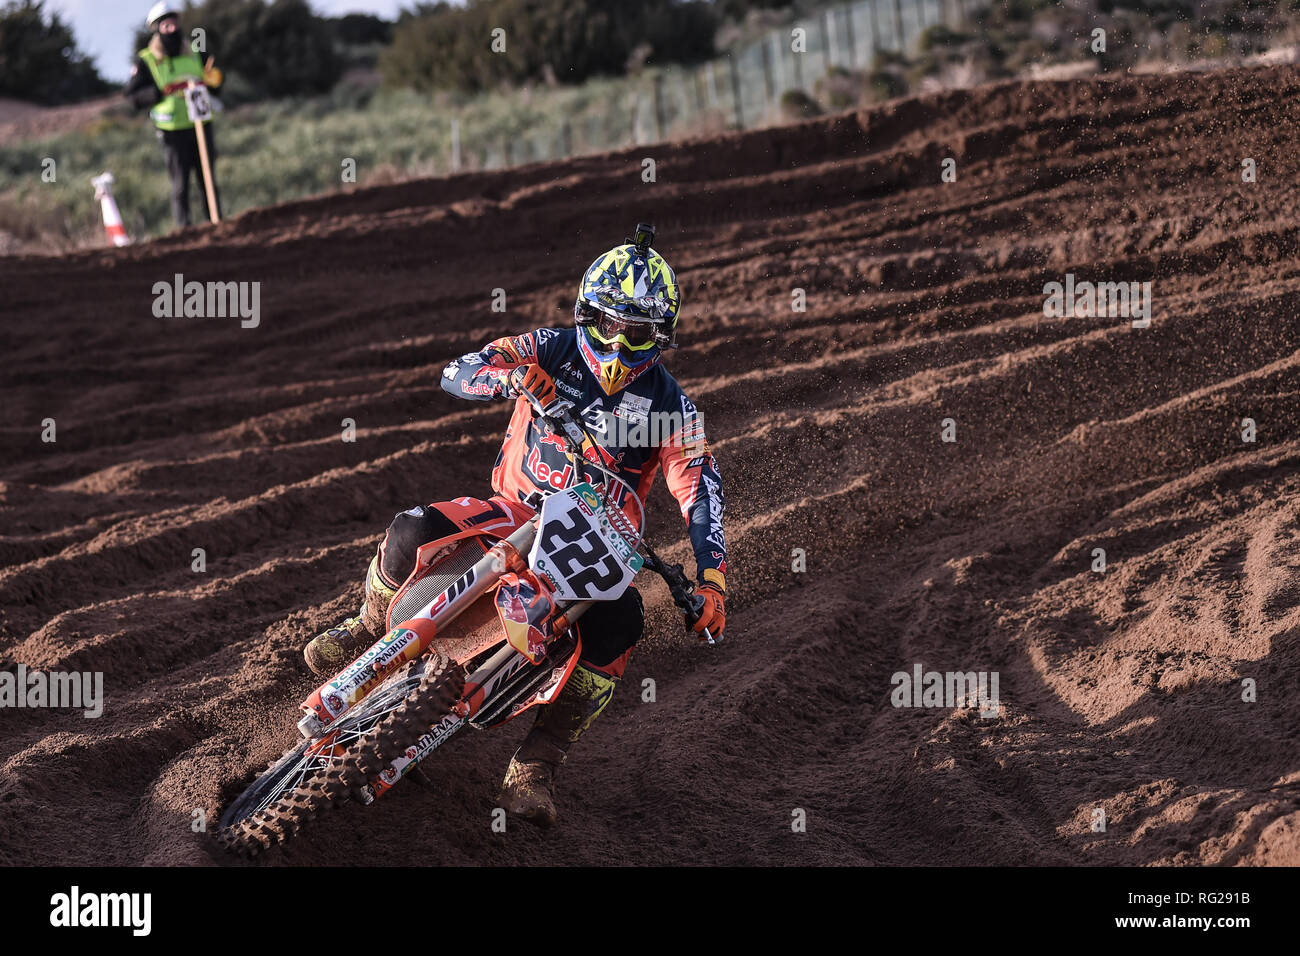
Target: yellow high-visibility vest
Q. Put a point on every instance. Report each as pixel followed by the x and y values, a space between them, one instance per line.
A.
pixel 170 113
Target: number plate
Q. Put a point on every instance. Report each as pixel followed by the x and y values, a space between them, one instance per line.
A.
pixel 197 103
pixel 578 551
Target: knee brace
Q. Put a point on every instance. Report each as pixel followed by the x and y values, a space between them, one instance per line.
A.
pixel 408 532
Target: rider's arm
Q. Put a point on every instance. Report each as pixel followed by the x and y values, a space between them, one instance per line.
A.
pixel 692 476
pixel 484 375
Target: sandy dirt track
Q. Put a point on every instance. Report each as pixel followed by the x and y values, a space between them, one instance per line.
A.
pixel 1120 691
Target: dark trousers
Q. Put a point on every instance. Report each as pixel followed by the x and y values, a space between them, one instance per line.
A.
pixel 181 151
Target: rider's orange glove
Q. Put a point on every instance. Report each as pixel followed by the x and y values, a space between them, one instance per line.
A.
pixel 713 615
pixel 537 381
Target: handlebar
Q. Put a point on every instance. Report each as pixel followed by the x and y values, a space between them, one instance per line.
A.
pixel 558 419
pixel 682 590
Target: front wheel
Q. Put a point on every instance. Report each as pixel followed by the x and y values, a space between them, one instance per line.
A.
pixel 325 772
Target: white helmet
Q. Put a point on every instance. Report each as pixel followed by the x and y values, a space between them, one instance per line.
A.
pixel 159 10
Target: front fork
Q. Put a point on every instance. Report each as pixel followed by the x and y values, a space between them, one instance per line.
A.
pixel 491 691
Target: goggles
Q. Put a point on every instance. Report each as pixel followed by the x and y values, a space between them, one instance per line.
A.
pixel 633 335
pixel 630 336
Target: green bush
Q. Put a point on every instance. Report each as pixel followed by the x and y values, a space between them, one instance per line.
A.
pixel 840 88
pixel 565 41
pixel 886 81
pixel 275 49
pixel 39 59
pixel 798 105
pixel 940 35
pixel 360 29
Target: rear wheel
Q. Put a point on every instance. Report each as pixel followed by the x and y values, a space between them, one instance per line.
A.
pixel 319 774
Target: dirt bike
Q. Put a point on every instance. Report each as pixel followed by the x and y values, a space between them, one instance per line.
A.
pixel 480 632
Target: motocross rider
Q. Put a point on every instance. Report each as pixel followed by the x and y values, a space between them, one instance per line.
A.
pixel 609 367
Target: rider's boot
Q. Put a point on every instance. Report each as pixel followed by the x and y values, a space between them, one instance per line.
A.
pixel 528 789
pixel 330 651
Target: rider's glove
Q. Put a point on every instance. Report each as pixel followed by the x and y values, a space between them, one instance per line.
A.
pixel 713 614
pixel 536 380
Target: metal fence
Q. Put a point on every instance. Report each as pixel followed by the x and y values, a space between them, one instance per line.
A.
pixel 738 91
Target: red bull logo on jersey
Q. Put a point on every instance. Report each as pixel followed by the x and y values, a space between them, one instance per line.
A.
pixel 555 441
pixel 546 475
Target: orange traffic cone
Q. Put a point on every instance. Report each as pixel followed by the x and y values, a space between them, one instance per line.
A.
pixel 108 205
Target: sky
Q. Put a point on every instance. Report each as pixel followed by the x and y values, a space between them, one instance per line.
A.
pixel 104 28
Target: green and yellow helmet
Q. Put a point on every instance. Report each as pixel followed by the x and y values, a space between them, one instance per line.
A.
pixel 627 311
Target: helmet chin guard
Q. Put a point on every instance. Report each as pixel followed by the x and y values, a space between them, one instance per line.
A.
pixel 612 369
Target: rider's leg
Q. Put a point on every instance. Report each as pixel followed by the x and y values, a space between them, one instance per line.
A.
pixel 608 631
pixel 392 564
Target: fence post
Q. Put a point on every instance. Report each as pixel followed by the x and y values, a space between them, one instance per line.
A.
pixel 735 90
pixel 851 36
pixel 455 144
pixel 797 58
pixel 661 126
pixel 780 81
pixel 768 87
pixel 685 100
pixel 828 31
pixel 875 32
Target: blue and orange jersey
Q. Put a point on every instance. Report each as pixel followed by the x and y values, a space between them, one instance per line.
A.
pixel 648 427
